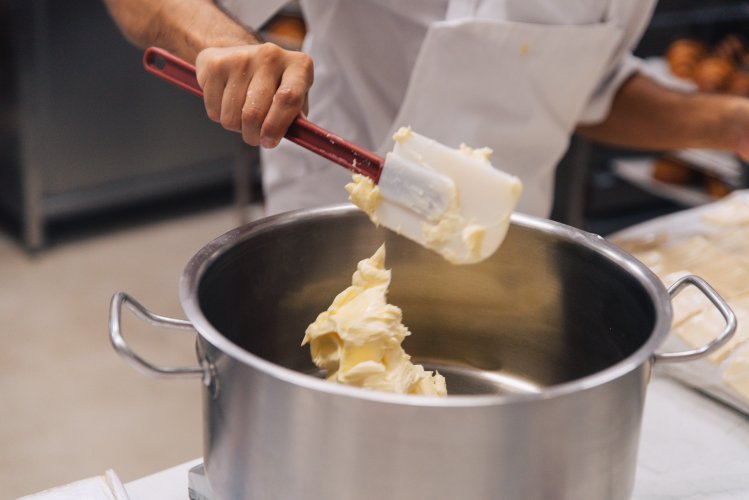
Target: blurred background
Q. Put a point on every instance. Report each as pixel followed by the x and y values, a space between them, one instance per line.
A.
pixel 111 180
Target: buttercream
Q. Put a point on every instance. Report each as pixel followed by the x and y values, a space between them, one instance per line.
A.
pixel 470 228
pixel 357 340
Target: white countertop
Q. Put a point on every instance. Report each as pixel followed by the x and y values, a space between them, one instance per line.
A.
pixel 691 447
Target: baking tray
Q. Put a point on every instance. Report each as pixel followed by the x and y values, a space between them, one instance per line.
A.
pixel 713 220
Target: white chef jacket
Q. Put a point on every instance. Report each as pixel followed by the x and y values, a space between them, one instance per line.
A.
pixel 364 52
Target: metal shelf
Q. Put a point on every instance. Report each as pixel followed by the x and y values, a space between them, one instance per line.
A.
pixel 85 128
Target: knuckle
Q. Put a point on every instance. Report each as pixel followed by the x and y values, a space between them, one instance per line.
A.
pixel 289 97
pixel 252 116
pixel 204 57
pixel 270 54
pixel 225 65
pixel 217 62
pixel 238 62
pixel 209 62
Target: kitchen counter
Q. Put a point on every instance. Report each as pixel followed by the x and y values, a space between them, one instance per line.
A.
pixel 691 447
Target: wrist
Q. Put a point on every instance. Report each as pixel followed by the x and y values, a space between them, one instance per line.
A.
pixel 188 27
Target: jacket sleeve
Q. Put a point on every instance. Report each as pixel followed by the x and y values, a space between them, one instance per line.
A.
pixel 633 18
pixel 599 104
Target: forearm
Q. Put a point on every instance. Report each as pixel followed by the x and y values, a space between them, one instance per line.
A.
pixel 184 27
pixel 256 89
pixel 645 115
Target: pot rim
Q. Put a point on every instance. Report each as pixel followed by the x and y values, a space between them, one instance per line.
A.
pixel 212 251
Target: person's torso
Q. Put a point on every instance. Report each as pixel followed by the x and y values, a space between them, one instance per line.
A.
pixel 366 52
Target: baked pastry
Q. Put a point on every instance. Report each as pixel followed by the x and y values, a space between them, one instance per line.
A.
pixel 715 187
pixel 712 74
pixel 738 83
pixel 731 48
pixel 286 31
pixel 288 27
pixel 683 55
pixel 673 171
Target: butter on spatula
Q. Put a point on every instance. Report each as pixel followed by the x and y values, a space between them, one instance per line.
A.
pixel 477 217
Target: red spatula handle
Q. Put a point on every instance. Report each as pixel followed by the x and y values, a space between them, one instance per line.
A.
pixel 174 70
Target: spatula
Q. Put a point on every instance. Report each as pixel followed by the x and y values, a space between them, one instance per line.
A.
pixel 449 200
pixel 426 192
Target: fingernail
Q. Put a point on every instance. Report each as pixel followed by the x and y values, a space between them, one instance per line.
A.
pixel 267 142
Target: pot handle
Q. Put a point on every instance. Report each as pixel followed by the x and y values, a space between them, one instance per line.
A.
pixel 719 303
pixel 124 350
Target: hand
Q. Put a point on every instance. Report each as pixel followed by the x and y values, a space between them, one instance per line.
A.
pixel 257 90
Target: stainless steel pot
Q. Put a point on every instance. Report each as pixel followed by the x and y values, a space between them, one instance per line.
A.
pixel 547 348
